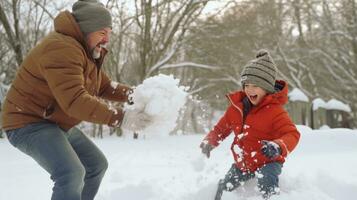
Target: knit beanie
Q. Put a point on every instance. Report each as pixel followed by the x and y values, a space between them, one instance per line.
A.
pixel 91 16
pixel 261 72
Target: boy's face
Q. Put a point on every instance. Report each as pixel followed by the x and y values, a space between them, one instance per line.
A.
pixel 254 93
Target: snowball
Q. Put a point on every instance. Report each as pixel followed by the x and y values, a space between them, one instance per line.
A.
pixel 161 97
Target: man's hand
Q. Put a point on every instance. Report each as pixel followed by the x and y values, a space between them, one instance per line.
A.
pixel 129 93
pixel 206 148
pixel 270 149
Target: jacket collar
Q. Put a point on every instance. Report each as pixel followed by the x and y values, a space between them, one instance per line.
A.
pixel 66 24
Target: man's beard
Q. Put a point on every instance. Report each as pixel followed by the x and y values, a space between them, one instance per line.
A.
pixel 96 54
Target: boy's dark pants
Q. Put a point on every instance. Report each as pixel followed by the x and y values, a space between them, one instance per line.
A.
pixel 268 179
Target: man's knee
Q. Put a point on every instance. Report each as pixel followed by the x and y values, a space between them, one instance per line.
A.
pixel 102 166
pixel 99 168
pixel 70 175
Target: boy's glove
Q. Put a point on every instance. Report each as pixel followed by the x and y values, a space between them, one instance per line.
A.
pixel 206 148
pixel 270 149
pixel 136 121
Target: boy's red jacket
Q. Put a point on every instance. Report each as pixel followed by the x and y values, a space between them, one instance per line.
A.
pixel 266 121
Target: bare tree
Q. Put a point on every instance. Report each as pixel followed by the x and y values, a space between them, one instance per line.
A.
pixel 161 26
pixel 312 42
pixel 11 26
pixel 24 23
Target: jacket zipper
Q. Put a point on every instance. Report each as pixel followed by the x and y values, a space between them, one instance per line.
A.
pixel 243 123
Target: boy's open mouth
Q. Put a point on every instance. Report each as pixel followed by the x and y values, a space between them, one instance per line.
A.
pixel 253 97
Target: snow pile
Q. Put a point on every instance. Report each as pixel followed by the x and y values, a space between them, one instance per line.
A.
pixel 318 103
pixel 324 127
pixel 297 95
pixel 333 104
pixel 161 97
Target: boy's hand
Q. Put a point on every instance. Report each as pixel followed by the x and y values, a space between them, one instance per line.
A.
pixel 270 149
pixel 206 148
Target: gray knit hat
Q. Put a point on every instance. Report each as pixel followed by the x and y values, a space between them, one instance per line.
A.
pixel 91 16
pixel 261 72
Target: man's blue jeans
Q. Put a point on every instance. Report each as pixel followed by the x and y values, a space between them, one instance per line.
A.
pixel 75 163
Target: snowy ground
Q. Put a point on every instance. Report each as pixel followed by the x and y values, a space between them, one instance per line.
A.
pixel 323 167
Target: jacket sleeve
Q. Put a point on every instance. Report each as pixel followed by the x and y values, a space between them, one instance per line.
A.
pixel 113 91
pixel 63 72
pixel 220 131
pixel 289 135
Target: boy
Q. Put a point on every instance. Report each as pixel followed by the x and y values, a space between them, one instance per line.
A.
pixel 264 133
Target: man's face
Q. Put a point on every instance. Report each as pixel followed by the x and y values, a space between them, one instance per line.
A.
pixel 98 39
pixel 254 93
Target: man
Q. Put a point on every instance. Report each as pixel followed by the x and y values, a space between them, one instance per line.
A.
pixel 59 84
